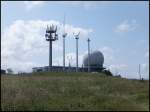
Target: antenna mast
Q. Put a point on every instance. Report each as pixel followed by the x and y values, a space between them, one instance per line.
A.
pixel 140 71
pixel 88 54
pixel 51 35
pixel 64 35
pixel 76 37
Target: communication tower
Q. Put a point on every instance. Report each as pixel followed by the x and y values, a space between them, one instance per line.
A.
pixel 88 54
pixel 51 35
pixel 76 37
pixel 64 35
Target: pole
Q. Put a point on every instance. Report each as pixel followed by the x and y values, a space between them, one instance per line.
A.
pixel 140 71
pixel 64 53
pixel 77 37
pixel 50 55
pixel 88 55
pixel 64 35
pixel 49 31
pixel 76 54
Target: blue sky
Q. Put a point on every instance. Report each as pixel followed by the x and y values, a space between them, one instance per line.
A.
pixel 120 30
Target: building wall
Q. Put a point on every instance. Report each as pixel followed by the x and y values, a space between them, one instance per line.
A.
pixel 67 69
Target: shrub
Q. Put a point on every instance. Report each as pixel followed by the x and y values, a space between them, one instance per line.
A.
pixel 107 72
pixel 118 76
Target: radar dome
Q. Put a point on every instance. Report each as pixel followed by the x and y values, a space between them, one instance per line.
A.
pixel 96 59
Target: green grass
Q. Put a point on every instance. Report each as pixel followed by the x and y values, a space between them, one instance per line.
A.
pixel 73 92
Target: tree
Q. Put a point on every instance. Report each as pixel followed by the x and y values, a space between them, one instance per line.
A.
pixel 9 71
pixel 107 72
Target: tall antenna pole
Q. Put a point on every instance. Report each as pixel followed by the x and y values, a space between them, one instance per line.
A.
pixel 69 61
pixel 64 35
pixel 140 71
pixel 88 54
pixel 77 54
pixel 77 37
pixel 50 54
pixel 50 37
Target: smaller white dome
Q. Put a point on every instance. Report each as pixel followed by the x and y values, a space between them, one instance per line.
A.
pixel 96 59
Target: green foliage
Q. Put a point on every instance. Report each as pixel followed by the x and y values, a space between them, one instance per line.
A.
pixel 107 72
pixel 72 92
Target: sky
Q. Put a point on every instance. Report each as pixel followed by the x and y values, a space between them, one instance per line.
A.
pixel 120 30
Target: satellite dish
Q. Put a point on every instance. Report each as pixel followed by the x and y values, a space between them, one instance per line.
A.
pixel 76 36
pixel 88 39
pixel 64 32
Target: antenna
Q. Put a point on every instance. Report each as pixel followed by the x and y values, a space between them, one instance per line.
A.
pixel 88 54
pixel 69 61
pixel 64 22
pixel 51 35
pixel 140 71
pixel 76 37
pixel 64 35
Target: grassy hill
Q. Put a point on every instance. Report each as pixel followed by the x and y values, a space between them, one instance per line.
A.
pixel 73 91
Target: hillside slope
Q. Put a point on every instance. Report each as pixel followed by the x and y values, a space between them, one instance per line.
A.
pixel 72 91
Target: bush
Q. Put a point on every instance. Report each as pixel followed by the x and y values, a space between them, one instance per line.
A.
pixel 107 72
pixel 118 76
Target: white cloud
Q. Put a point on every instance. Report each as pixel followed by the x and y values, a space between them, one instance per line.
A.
pixel 88 4
pixel 118 66
pixel 145 70
pixel 23 42
pixel 145 66
pixel 69 57
pixel 147 54
pixel 84 4
pixel 118 69
pixel 111 63
pixel 108 54
pixel 72 29
pixel 31 4
pixel 126 26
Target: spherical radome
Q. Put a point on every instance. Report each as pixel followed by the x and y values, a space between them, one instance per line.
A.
pixel 96 59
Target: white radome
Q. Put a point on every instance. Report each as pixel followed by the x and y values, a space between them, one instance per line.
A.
pixel 96 59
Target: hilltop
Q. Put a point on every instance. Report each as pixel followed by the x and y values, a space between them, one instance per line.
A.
pixel 73 91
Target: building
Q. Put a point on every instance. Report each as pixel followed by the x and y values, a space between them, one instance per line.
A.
pixel 96 61
pixel 96 64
